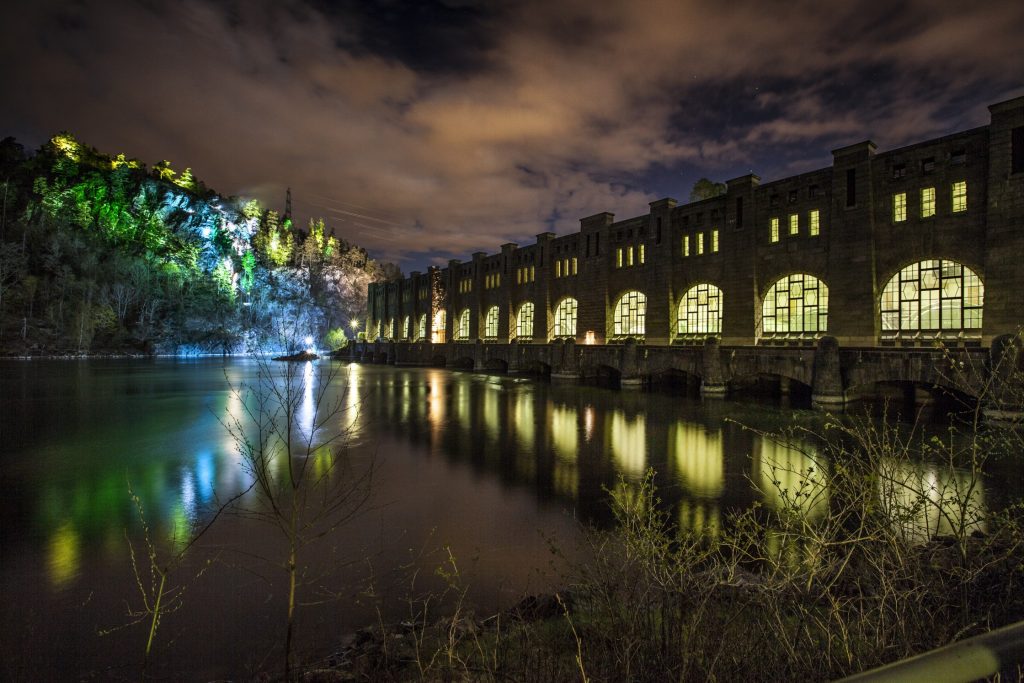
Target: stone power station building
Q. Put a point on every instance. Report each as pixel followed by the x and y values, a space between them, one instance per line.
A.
pixel 891 250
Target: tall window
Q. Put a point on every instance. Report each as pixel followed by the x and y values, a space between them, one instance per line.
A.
pixel 796 304
pixel 618 257
pixel 933 295
pixel 686 245
pixel 389 329
pixel 630 315
pixel 565 318
pixel 775 230
pixel 421 327
pixel 700 243
pixel 794 224
pixel 714 241
pixel 438 333
pixel 405 327
pixel 814 222
pixel 641 254
pixel 462 331
pixel 491 323
pixel 959 196
pixel 524 321
pixel 899 207
pixel 700 310
pixel 927 202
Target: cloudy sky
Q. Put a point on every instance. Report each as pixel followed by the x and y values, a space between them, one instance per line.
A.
pixel 427 130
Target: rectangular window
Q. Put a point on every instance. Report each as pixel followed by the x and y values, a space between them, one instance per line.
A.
pixel 700 243
pixel 618 257
pixel 928 165
pixel 899 171
pixel 959 196
pixel 814 220
pixel 714 241
pixel 558 269
pixel 629 256
pixel 641 255
pixel 899 207
pixel 927 202
pixel 794 223
pixel 573 265
pixel 775 230
pixel 533 273
pixel 851 187
pixel 686 245
pixel 1017 150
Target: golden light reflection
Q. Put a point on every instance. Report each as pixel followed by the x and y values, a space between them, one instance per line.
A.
pixel 699 458
pixel 435 404
pixel 565 478
pixel 490 408
pixel 923 501
pixel 306 416
pixel 700 516
pixel 525 423
pixel 565 432
pixel 790 477
pixel 64 555
pixel 628 442
pixel 588 423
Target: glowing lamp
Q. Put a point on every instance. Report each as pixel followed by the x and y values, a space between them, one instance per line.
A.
pixel 590 338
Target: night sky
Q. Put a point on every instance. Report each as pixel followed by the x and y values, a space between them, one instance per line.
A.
pixel 430 130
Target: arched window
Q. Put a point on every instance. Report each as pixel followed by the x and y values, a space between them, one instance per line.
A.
pixel 524 321
pixel 565 318
pixel 421 327
pixel 389 330
pixel 440 322
pixel 405 327
pixel 462 331
pixel 795 305
pixel 936 296
pixel 630 315
pixel 491 323
pixel 700 311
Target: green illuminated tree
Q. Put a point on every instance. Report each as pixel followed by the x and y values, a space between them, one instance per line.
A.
pixel 706 189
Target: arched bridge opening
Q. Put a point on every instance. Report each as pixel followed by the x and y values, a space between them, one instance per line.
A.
pixel 909 401
pixel 772 387
pixel 676 381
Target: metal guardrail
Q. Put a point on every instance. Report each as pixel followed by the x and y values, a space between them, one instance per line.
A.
pixel 997 652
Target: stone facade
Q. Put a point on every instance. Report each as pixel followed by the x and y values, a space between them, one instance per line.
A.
pixel 870 213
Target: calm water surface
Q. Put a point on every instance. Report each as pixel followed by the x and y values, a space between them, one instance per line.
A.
pixel 489 466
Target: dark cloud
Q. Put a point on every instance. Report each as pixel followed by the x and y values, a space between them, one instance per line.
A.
pixel 435 129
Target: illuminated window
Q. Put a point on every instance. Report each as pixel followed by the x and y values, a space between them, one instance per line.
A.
pixel 558 269
pixel 629 256
pixel 421 327
pixel 899 207
pixel 565 318
pixel 796 304
pixel 686 245
pixel 814 221
pixel 927 202
pixel 533 273
pixel 462 331
pixel 389 330
pixel 775 230
pixel 933 295
pixel 524 321
pixel 618 257
pixel 794 223
pixel 630 315
pixel 700 243
pixel 405 327
pixel 714 241
pixel 491 323
pixel 440 322
pixel 959 196
pixel 519 276
pixel 700 311
pixel 573 265
pixel 641 255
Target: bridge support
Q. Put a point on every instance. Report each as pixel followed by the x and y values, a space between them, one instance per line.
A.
pixel 1004 401
pixel 629 365
pixel 827 387
pixel 712 383
pixel 565 364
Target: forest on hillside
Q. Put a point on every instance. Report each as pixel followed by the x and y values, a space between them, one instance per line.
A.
pixel 101 254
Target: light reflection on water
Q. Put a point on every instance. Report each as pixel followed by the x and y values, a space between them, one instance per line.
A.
pixel 545 448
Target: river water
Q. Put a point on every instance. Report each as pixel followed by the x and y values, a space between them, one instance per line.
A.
pixel 496 469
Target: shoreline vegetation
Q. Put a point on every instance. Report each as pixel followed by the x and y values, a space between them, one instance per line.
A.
pixel 102 255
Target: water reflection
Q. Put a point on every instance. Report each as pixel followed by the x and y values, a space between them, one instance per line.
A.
pixel 63 557
pixel 698 456
pixel 628 442
pixel 923 501
pixel 790 476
